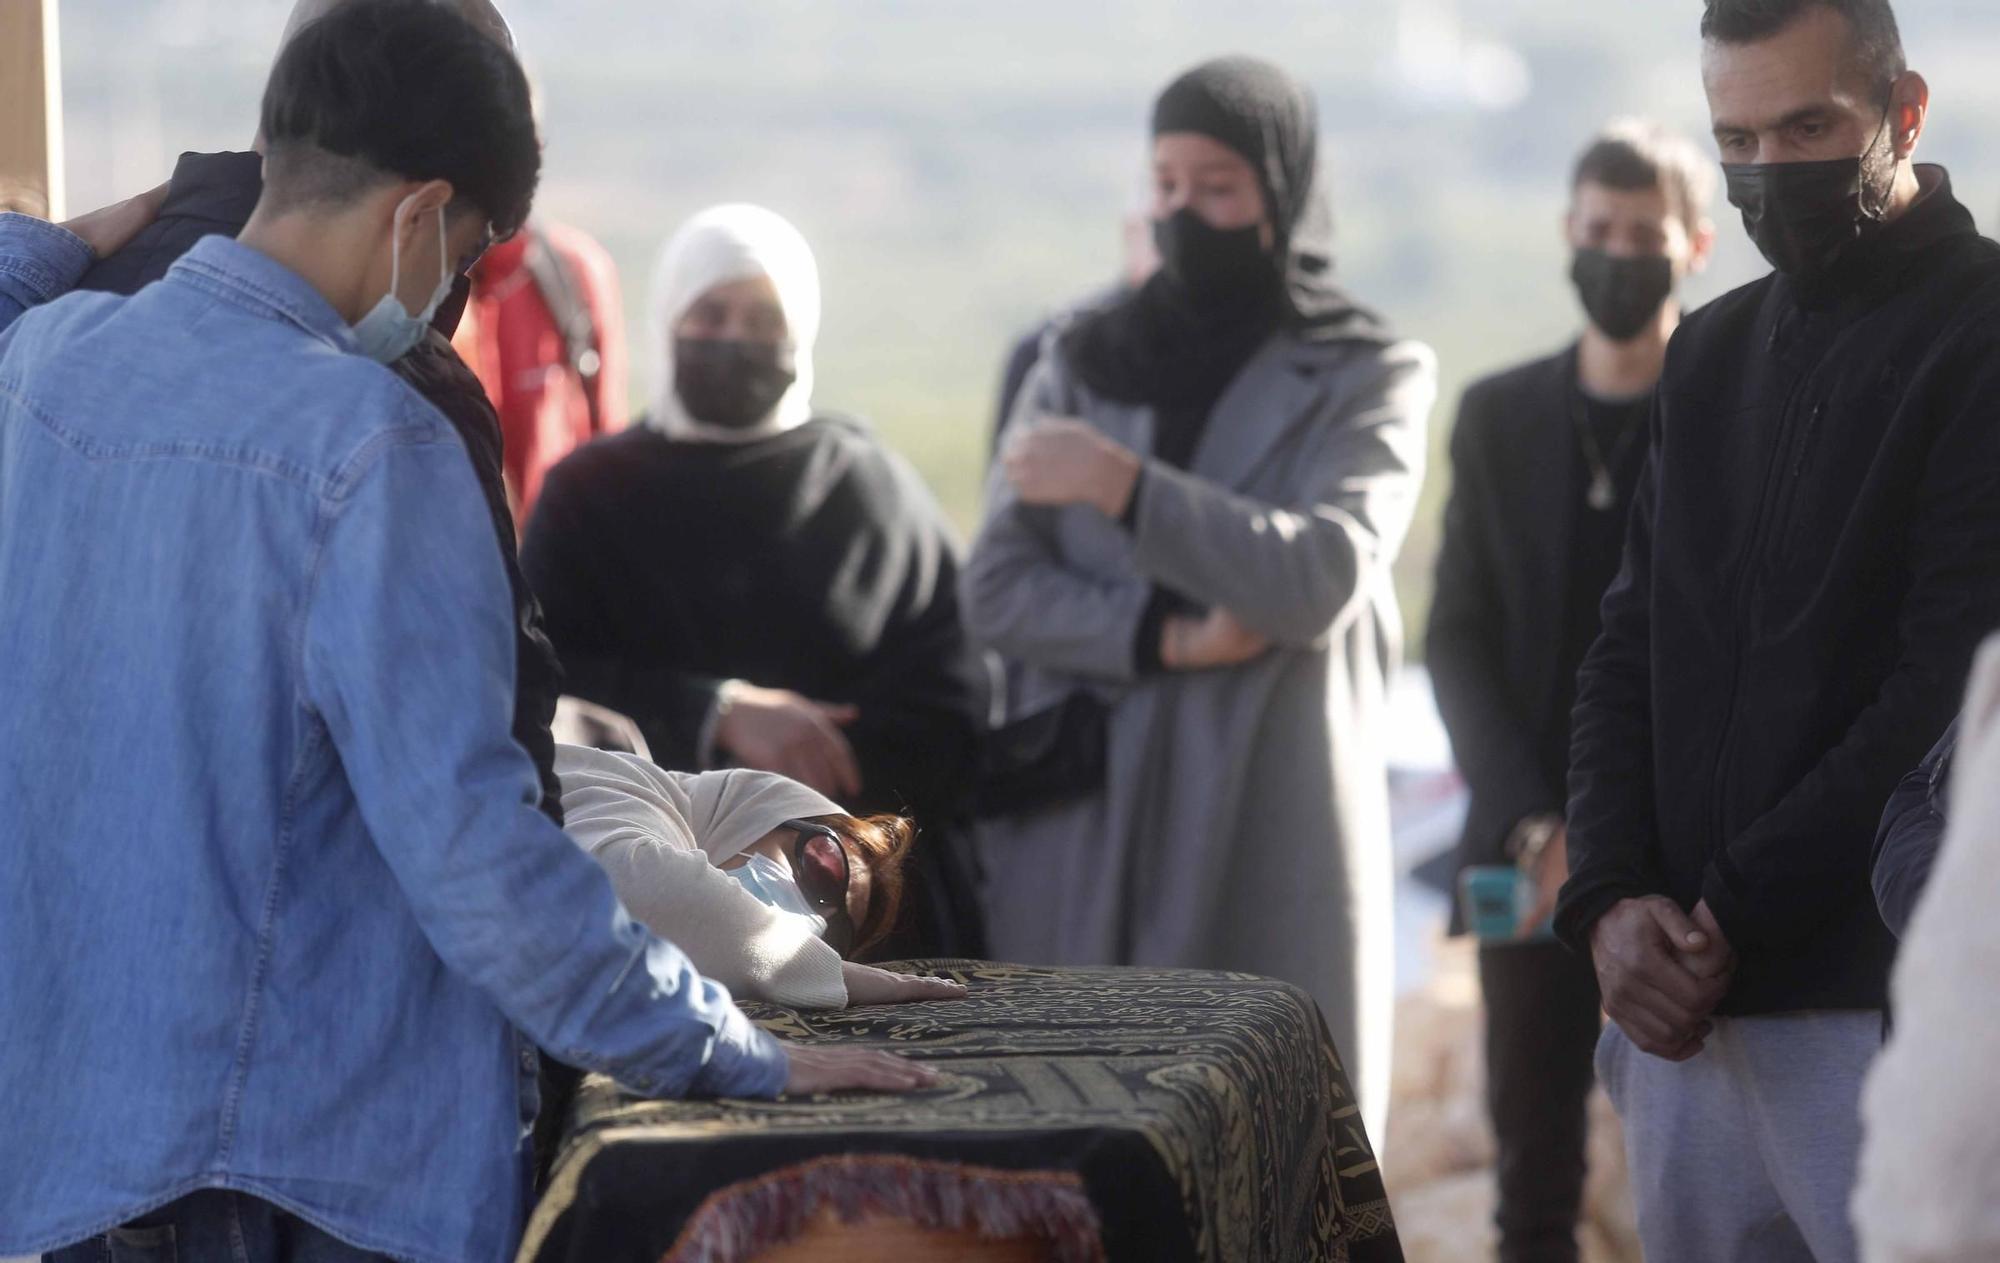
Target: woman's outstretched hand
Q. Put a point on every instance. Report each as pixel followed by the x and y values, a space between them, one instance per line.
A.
pixel 869 985
pixel 1058 461
pixel 817 1069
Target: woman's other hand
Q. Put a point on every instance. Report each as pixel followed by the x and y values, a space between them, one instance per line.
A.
pixel 817 1068
pixel 869 985
pixel 107 230
pixel 1216 639
pixel 777 730
pixel 1060 461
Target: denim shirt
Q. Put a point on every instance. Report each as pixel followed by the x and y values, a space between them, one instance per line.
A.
pixel 277 912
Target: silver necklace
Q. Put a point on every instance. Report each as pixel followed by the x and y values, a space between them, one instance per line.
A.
pixel 1603 493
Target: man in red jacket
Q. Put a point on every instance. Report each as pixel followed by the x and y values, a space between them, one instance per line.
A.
pixel 546 334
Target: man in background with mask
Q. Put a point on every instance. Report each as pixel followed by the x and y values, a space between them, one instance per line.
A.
pixel 1814 553
pixel 1545 460
pixel 279 922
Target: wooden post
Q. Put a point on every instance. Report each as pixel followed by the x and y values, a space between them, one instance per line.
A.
pixel 31 167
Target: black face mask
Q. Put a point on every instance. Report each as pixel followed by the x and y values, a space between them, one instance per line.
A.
pixel 731 384
pixel 1213 266
pixel 1622 296
pixel 1805 215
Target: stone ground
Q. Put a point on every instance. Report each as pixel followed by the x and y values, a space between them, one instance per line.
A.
pixel 1439 1150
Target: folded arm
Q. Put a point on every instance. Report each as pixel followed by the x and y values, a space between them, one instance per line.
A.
pixel 1293 573
pixel 1018 595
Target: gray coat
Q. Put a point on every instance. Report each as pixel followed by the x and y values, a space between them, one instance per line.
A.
pixel 1244 820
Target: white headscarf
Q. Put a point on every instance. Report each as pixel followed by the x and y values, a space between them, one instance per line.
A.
pixel 734 243
pixel 721 814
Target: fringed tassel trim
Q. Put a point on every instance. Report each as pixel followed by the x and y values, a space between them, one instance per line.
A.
pixel 739 1222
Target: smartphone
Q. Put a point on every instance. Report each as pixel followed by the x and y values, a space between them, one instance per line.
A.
pixel 1497 899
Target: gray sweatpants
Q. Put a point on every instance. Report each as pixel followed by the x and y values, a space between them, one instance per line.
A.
pixel 1746 1154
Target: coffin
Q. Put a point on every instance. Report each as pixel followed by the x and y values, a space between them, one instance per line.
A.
pixel 1085 1114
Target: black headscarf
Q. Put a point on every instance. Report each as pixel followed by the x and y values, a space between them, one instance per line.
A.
pixel 1155 345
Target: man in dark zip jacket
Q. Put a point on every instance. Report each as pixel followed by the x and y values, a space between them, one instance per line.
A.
pixel 1813 555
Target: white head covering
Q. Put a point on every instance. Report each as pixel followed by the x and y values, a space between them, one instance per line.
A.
pixel 737 242
pixel 721 814
pixel 731 809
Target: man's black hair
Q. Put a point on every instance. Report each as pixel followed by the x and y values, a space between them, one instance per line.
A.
pixel 1878 44
pixel 1634 155
pixel 400 89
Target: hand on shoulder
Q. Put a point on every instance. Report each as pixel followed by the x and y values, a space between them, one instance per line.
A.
pixel 108 229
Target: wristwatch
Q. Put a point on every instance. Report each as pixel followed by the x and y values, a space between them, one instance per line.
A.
pixel 1531 837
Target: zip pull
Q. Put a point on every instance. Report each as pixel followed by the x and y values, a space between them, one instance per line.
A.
pixel 1804 458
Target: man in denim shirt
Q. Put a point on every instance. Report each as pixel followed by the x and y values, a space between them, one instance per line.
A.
pixel 279 921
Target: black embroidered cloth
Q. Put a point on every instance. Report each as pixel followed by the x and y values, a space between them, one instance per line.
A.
pixel 1207 1116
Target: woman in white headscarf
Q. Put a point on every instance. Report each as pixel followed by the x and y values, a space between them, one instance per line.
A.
pixel 765 884
pixel 759 583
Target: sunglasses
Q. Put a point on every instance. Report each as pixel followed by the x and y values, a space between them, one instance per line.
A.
pixel 821 867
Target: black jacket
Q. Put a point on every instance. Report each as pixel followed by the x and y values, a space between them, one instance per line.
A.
pixel 215 193
pixel 813 560
pixel 1501 657
pixel 1906 846
pixel 1813 556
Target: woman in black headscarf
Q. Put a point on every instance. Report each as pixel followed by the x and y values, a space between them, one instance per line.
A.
pixel 1185 569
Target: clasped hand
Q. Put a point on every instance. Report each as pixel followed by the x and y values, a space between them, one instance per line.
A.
pixel 1662 972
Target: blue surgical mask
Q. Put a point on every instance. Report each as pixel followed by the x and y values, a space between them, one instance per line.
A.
pixel 388 331
pixel 772 883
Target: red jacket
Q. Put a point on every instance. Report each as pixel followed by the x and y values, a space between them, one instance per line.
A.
pixel 511 339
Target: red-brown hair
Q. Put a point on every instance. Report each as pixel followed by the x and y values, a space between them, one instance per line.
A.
pixel 882 843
